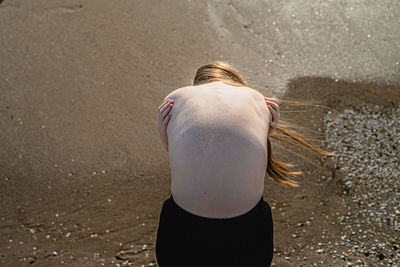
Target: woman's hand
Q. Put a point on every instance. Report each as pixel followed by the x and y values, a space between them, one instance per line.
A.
pixel 164 114
pixel 274 111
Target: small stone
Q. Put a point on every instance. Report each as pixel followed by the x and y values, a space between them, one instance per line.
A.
pixel 369 160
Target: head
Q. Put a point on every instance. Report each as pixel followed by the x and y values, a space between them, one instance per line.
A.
pixel 218 71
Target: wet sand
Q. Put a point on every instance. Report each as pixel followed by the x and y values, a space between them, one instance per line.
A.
pixel 83 172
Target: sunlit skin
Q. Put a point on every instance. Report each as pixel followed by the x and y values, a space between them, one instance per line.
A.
pixel 164 112
pixel 217 146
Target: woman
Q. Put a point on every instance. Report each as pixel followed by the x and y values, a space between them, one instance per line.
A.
pixel 219 151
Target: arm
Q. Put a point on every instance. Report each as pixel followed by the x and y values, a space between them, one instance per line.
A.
pixel 273 109
pixel 274 114
pixel 164 115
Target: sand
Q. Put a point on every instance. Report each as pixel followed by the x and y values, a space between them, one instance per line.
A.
pixel 83 172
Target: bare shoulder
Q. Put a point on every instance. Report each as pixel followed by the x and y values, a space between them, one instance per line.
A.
pixel 259 100
pixel 177 93
pixel 257 94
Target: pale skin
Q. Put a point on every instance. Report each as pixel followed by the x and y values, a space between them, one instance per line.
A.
pixel 217 146
pixel 165 114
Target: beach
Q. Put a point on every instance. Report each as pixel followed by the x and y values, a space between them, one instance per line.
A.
pixel 83 171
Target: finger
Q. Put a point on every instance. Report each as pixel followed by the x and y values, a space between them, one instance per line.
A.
pixel 274 114
pixel 271 99
pixel 169 101
pixel 274 122
pixel 274 105
pixel 165 107
pixel 164 104
pixel 270 104
pixel 274 108
pixel 166 119
pixel 165 110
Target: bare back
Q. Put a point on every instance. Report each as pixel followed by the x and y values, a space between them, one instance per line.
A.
pixel 217 142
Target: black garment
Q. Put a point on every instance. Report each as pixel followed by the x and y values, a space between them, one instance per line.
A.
pixel 186 239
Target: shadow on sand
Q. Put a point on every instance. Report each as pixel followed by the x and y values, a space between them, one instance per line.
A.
pixel 317 95
pixel 340 94
pixel 322 187
pixel 314 97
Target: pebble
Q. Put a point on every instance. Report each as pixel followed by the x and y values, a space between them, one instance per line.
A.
pixel 366 140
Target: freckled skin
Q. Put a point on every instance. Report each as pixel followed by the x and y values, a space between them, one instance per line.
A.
pixel 217 142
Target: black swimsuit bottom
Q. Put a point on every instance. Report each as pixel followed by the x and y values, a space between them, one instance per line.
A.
pixel 186 239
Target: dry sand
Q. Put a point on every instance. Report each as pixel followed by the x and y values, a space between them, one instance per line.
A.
pixel 83 172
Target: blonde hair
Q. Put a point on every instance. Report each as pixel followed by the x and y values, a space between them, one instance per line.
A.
pixel 223 72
